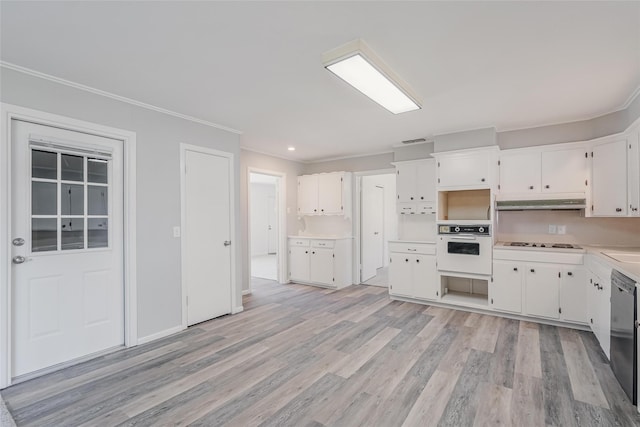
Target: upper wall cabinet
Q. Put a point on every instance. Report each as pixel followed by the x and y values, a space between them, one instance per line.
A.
pixel 467 169
pixel 543 171
pixel 325 194
pixel 609 178
pixel 416 186
pixel 633 164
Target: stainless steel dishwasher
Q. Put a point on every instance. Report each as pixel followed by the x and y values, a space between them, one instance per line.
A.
pixel 624 333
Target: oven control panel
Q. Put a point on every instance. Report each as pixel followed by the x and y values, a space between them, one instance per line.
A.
pixel 482 230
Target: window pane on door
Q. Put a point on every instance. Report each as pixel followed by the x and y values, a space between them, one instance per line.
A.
pixel 98 233
pixel 72 199
pixel 98 200
pixel 72 235
pixel 72 168
pixel 97 170
pixel 44 198
pixel 44 234
pixel 44 164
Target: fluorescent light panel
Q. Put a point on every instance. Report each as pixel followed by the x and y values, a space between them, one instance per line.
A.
pixel 358 65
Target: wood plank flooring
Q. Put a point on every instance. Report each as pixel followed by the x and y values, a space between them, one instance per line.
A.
pixel 305 356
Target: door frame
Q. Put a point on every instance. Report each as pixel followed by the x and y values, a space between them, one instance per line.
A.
pixel 357 218
pixel 281 192
pixel 183 225
pixel 11 112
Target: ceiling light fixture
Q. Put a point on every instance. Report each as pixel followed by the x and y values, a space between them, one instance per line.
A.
pixel 291 148
pixel 362 68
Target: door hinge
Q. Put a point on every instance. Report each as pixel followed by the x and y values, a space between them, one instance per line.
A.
pixel 341 180
pixel 333 255
pixel 438 164
pixel 591 207
pixel 586 155
pixel 491 300
pixel 437 293
pixel 498 162
pixel 492 280
pixel 592 154
pixel 586 182
pixel 334 279
pixel 390 286
pixel 438 180
pixel 559 275
pixel 560 310
pixel 498 186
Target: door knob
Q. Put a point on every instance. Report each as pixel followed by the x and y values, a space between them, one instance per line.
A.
pixel 227 242
pixel 19 259
pixel 18 241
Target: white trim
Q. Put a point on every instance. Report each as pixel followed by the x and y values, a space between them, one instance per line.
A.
pixel 283 277
pixel 351 156
pixel 629 100
pixel 357 218
pixel 161 334
pixel 232 224
pixel 34 73
pixel 277 156
pixel 10 112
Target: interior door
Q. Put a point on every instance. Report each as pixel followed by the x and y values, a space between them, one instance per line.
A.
pixel 272 227
pixel 372 246
pixel 67 233
pixel 207 256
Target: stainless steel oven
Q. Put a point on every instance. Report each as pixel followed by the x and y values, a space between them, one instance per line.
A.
pixel 464 248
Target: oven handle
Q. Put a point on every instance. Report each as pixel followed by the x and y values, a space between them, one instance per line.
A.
pixel 462 237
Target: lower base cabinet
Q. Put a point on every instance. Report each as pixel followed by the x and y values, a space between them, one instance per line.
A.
pixel 599 304
pixel 323 262
pixel 412 270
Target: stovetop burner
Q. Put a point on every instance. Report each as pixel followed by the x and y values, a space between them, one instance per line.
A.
pixel 543 245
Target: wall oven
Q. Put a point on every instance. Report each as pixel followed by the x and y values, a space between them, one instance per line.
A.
pixel 464 248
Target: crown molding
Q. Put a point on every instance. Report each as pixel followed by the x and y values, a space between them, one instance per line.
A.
pixel 106 94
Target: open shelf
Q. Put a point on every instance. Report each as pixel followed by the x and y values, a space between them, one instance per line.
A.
pixel 464 298
pixel 464 291
pixel 464 205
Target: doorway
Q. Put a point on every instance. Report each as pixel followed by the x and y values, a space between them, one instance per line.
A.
pixel 208 226
pixel 378 224
pixel 264 227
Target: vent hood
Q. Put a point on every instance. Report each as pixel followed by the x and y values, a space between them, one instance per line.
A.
pixel 544 204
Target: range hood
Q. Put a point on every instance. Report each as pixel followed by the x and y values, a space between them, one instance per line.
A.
pixel 541 204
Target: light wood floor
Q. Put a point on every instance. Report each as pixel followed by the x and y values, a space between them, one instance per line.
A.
pixel 305 356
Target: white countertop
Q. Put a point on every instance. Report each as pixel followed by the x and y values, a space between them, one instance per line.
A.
pixel 431 242
pixel 318 236
pixel 627 268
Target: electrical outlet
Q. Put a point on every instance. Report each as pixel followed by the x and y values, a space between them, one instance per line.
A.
pixel 176 231
pixel 562 229
pixel 552 229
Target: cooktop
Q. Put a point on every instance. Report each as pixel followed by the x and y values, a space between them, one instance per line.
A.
pixel 542 245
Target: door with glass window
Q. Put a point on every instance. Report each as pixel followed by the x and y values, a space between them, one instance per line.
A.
pixel 67 257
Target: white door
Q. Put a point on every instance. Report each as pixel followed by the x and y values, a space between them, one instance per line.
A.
pixel 425 277
pixel 542 290
pixel 330 193
pixel 372 245
pixel 401 274
pixel 609 179
pixel 573 295
pixel 308 195
pixel 321 266
pixel 207 256
pixel 506 286
pixel 564 171
pixel 67 207
pixel 272 227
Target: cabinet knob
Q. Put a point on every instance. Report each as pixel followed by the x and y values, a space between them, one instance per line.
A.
pixel 314 252
pixel 421 197
pixel 547 186
pixel 531 187
pixel 569 273
pixel 618 209
pixel 406 260
pixel 322 210
pixel 533 270
pixel 515 268
pixel 306 252
pixel 411 198
pixel 315 210
pixel 417 260
pixel 482 179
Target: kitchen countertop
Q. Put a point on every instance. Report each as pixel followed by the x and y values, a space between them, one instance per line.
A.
pixel 430 242
pixel 627 268
pixel 318 236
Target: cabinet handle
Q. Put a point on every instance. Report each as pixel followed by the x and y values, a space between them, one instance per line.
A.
pixel 532 270
pixel 618 209
pixel 547 186
pixel 412 250
pixel 515 268
pixel 531 187
pixel 569 273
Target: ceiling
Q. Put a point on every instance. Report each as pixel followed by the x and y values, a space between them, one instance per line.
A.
pixel 256 66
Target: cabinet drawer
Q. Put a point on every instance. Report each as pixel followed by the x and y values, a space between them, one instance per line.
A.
pixel 413 248
pixel 299 242
pixel 323 243
pixel 426 208
pixel 406 208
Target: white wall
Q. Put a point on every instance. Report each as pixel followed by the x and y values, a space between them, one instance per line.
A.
pixel 158 183
pixel 259 218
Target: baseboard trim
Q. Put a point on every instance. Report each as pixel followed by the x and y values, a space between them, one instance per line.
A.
pixel 246 292
pixel 160 334
pixel 237 310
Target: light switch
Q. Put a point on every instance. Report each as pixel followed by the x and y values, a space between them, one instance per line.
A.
pixel 562 229
pixel 176 231
pixel 552 229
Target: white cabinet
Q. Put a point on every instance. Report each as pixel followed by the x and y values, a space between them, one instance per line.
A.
pixel 573 294
pixel 542 286
pixel 467 169
pixel 609 178
pixel 599 303
pixel 412 270
pixel 416 186
pixel 505 289
pixel 633 164
pixel 544 170
pixel 324 262
pixel 324 194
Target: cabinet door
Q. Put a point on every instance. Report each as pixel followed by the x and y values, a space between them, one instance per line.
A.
pixel 299 263
pixel 506 287
pixel 330 193
pixel 406 185
pixel 400 274
pixel 464 170
pixel 609 179
pixel 604 318
pixel 308 194
pixel 542 288
pixel 426 181
pixel 520 173
pixel 634 172
pixel 573 295
pixel 425 277
pixel 592 304
pixel 321 266
pixel 564 171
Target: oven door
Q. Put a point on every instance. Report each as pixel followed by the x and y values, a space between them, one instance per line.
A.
pixel 464 253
